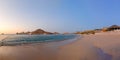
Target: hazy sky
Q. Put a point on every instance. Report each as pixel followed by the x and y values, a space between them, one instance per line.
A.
pixel 57 15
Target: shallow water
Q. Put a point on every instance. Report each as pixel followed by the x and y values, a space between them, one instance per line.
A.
pixel 27 39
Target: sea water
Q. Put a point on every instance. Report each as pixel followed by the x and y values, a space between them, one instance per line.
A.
pixel 9 40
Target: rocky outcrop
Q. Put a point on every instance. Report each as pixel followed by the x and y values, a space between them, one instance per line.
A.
pixel 22 33
pixel 36 32
pixel 40 31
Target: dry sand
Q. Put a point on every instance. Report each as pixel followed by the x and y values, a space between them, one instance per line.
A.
pixel 101 46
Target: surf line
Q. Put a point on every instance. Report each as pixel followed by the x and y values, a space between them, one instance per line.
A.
pixel 2 41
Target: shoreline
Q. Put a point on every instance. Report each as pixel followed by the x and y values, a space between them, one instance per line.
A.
pixel 28 42
pixel 37 51
pixel 101 46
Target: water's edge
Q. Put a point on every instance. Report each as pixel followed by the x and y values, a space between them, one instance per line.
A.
pixel 62 41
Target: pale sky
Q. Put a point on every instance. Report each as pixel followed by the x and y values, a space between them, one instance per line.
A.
pixel 57 15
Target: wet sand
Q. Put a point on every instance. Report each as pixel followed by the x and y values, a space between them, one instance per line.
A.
pixel 101 46
pixel 35 51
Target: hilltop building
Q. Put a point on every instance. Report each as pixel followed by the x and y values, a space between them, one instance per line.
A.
pixel 114 27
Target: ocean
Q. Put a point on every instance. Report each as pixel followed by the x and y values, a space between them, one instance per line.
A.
pixel 11 40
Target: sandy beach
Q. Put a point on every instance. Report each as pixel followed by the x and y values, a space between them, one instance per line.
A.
pixel 101 46
pixel 59 29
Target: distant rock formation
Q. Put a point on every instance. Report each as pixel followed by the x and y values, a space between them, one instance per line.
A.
pixel 36 32
pixel 56 33
pixel 66 33
pixel 23 33
pixel 40 31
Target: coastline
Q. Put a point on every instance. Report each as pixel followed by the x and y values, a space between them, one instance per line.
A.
pixel 34 51
pixel 29 42
pixel 101 46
